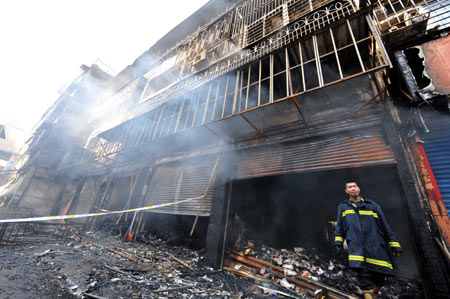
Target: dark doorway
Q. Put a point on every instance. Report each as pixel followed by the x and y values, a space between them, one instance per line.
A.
pixel 297 210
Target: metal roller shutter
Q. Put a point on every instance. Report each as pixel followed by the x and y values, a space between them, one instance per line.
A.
pixel 437 148
pixel 344 150
pixel 179 181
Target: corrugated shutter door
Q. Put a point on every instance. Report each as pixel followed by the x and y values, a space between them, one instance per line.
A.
pixel 178 181
pixel 437 148
pixel 335 151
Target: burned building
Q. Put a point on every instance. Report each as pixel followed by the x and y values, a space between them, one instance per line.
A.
pixel 244 122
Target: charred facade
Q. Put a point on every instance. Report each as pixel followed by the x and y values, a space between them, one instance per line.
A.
pixel 257 111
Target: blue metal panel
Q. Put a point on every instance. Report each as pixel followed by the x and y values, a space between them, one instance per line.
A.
pixel 437 148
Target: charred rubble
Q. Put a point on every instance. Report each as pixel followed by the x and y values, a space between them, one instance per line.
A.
pixel 333 275
pixel 103 264
pixel 242 123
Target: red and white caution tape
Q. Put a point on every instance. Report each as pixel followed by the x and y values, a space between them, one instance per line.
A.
pixel 61 217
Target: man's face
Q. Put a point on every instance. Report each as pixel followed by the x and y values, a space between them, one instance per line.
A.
pixel 352 189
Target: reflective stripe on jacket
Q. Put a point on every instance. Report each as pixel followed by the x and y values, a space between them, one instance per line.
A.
pixel 368 234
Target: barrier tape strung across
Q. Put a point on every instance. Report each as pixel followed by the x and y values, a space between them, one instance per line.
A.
pixel 33 219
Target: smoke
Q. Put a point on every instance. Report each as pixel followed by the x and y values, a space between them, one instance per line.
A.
pixel 125 124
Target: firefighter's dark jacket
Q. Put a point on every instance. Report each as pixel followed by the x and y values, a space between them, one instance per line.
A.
pixel 368 234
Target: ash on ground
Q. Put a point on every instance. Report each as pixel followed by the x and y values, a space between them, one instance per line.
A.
pixel 99 266
pixel 104 265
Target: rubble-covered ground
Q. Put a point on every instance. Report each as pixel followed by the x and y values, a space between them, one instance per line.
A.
pixel 104 265
pixel 80 269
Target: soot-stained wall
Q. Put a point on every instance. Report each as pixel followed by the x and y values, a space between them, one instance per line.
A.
pixel 294 210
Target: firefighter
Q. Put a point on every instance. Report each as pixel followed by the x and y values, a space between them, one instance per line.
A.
pixel 370 240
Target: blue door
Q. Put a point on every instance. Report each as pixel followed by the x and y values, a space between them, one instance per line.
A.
pixel 437 148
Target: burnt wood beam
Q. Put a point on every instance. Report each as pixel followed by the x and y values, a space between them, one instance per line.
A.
pixel 407 75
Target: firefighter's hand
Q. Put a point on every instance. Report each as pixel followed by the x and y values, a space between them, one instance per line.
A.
pixel 339 249
pixel 396 253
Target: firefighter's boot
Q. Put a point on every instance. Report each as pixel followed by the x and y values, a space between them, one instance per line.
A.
pixel 368 294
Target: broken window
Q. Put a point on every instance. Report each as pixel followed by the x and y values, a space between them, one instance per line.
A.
pixel 416 64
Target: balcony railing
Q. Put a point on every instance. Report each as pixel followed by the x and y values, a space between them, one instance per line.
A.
pixel 321 60
pixel 393 15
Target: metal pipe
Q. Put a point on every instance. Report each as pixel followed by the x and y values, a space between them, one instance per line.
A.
pixel 248 86
pixel 271 79
pixel 225 97
pixel 336 54
pixel 159 120
pixel 240 90
pixel 150 132
pixel 355 45
pixel 287 70
pixel 179 115
pixel 259 82
pixel 380 43
pixel 196 107
pixel 291 91
pixel 317 59
pixel 165 120
pixel 401 3
pixel 172 117
pixel 301 65
pixel 207 103
pixel 236 90
pixel 215 100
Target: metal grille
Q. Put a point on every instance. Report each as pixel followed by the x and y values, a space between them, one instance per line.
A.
pixel 182 181
pixel 333 12
pixel 265 26
pixel 323 153
pixel 392 15
pixel 316 62
pixel 260 18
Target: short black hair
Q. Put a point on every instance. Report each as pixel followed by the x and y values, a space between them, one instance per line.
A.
pixel 351 181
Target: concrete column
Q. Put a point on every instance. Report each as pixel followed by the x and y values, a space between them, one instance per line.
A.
pixel 215 237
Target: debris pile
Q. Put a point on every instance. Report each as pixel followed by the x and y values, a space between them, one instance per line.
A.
pixel 304 272
pixel 104 265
